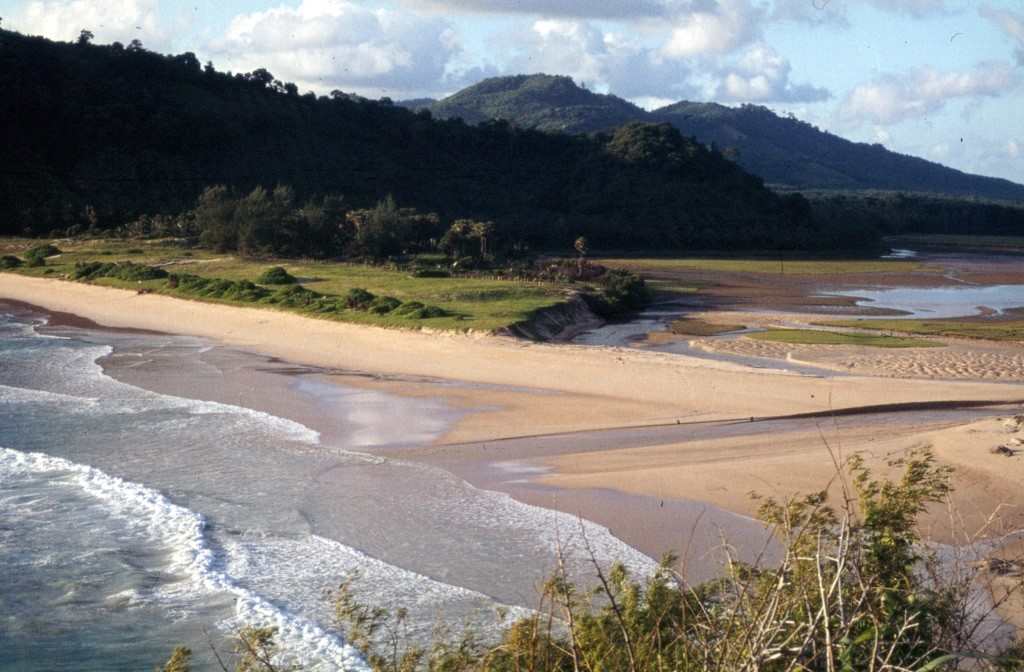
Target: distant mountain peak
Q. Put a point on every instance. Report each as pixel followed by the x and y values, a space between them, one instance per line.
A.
pixel 540 101
pixel 782 150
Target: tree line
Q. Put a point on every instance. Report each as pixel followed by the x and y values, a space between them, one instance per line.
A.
pixel 99 136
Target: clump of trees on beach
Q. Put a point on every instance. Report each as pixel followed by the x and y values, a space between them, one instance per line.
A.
pixel 855 590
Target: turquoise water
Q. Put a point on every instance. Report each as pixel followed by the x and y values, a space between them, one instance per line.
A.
pixel 132 521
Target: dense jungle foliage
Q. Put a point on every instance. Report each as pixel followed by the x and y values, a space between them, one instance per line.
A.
pixel 98 136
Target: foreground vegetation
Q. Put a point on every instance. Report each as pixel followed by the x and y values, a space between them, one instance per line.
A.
pixel 822 337
pixel 691 326
pixel 423 292
pixel 987 329
pixel 855 590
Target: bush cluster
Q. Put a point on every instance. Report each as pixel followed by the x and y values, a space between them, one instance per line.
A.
pixel 37 255
pixel 288 296
pixel 124 270
pixel 214 288
pixel 276 275
pixel 8 262
pixel 620 292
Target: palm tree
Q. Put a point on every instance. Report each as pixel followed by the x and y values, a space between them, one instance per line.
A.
pixel 581 249
pixel 483 230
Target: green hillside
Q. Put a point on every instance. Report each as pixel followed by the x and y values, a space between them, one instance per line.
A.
pixel 783 151
pixel 95 136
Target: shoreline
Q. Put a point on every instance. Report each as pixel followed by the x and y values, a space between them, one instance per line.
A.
pixel 693 388
pixel 500 388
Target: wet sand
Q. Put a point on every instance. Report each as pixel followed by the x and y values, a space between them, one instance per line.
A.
pixel 958 360
pixel 503 388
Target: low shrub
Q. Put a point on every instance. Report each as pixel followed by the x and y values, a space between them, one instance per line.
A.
pixel 358 299
pixel 276 275
pixel 408 307
pixel 329 304
pixel 8 262
pixel 243 290
pixel 212 288
pixel 124 270
pixel 621 292
pixel 414 310
pixel 37 255
pixel 295 296
pixel 384 304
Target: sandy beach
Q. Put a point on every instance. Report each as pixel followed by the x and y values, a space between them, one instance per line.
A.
pixel 725 472
pixel 689 388
pixel 664 450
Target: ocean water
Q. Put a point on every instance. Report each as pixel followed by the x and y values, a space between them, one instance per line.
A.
pixel 133 521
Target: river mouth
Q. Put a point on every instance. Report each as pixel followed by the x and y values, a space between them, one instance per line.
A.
pixel 939 286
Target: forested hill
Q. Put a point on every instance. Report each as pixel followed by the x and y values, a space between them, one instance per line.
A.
pixel 96 135
pixel 782 150
pixel 544 102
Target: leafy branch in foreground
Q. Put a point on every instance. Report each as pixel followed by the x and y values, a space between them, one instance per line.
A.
pixel 855 589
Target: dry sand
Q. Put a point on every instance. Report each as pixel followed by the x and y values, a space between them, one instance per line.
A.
pixel 654 382
pixel 725 472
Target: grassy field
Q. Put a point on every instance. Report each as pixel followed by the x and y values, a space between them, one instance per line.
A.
pixel 816 337
pixel 689 326
pixel 993 330
pixel 762 265
pixel 472 303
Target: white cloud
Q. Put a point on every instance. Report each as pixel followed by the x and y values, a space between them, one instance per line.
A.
pixel 1011 23
pixel 891 99
pixel 762 75
pixel 605 9
pixel 109 20
pixel 327 44
pixel 1014 149
pixel 727 25
pixel 604 61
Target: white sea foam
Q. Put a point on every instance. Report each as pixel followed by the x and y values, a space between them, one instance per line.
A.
pixel 91 383
pixel 184 530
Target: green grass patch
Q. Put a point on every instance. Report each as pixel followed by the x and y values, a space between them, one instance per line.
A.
pixel 456 303
pixel 774 266
pixel 818 337
pixel 687 326
pixel 991 330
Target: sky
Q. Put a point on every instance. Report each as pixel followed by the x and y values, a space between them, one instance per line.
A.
pixel 940 79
